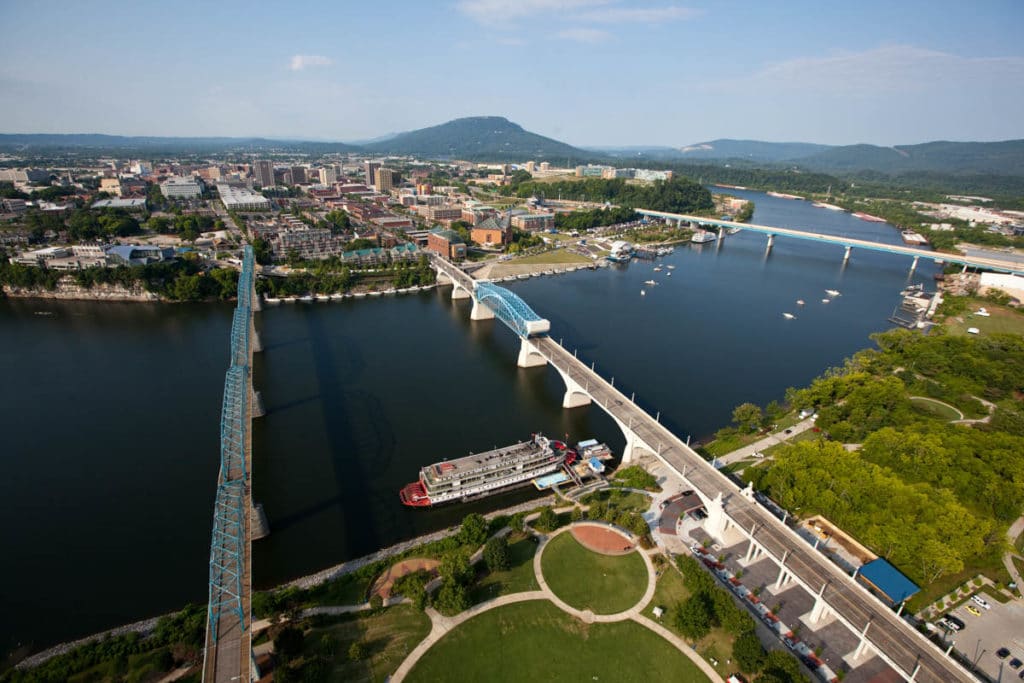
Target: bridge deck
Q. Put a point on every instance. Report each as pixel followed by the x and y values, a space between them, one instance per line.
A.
pixel 888 633
pixel 972 261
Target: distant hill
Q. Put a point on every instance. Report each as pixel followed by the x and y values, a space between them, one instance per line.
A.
pixel 640 152
pixel 98 142
pixel 751 150
pixel 1001 158
pixel 479 137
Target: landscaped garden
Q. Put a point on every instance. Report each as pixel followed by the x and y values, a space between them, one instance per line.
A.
pixel 604 584
pixel 536 641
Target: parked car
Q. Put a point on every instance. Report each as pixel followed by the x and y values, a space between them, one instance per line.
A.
pixel 956 621
pixel 974 610
pixel 980 602
pixel 1015 663
pixel 1002 653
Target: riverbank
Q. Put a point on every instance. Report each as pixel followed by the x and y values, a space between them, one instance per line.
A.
pixel 145 627
pixel 69 290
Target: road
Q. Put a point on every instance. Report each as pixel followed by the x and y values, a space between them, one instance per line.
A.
pixel 766 442
pixel 888 633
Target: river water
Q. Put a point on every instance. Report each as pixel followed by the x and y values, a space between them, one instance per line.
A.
pixel 109 412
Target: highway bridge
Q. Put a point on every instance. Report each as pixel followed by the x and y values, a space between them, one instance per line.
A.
pixel 849 243
pixel 732 512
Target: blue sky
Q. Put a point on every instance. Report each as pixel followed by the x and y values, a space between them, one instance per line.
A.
pixel 589 72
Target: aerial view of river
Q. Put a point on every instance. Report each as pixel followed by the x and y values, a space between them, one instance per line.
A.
pixel 109 413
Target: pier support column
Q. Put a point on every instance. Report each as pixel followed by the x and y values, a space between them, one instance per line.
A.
pixel 480 311
pixel 913 266
pixel 964 269
pixel 257 305
pixel 459 293
pixel 529 356
pixel 443 278
pixel 771 242
pixel 257 343
pixel 258 521
pixel 846 256
pixel 721 234
pixel 575 396
pixel 257 404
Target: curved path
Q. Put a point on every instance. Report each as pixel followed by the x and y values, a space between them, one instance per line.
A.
pixel 441 625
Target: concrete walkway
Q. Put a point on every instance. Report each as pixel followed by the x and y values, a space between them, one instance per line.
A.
pixel 1014 532
pixel 766 442
pixel 441 625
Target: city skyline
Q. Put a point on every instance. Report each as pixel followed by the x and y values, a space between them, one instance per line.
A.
pixel 587 72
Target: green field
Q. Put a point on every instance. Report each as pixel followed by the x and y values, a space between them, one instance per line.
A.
pixel 553 257
pixel 1001 320
pixel 517 579
pixel 387 638
pixel 604 584
pixel 938 409
pixel 535 641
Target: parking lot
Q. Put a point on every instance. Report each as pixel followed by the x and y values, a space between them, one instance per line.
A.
pixel 1000 626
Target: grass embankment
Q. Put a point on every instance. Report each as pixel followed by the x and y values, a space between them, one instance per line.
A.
pixel 556 256
pixel 535 641
pixel 931 406
pixel 386 638
pixel 519 577
pixel 1001 319
pixel 716 646
pixel 604 584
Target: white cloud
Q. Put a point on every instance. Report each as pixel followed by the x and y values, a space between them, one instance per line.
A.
pixel 643 15
pixel 584 35
pixel 493 11
pixel 300 62
pixel 888 69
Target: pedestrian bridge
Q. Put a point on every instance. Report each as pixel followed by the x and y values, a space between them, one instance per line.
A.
pixel 734 514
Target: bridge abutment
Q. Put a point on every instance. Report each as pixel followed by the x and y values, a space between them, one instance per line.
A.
pixel 459 293
pixel 529 356
pixel 480 311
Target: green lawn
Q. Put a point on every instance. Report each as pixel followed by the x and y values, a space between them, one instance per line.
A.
pixel 990 565
pixel 518 578
pixel 554 257
pixel 621 500
pixel 535 641
pixel 387 638
pixel 604 584
pixel 930 406
pixel 1001 320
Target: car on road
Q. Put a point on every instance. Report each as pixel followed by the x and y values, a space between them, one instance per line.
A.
pixel 980 602
pixel 974 610
pixel 758 454
pixel 1015 663
pixel 1002 653
pixel 788 431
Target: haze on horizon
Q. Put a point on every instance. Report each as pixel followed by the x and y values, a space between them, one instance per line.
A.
pixel 588 72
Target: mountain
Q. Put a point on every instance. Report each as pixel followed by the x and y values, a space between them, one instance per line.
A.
pixel 639 152
pixel 152 144
pixel 1001 158
pixel 482 138
pixel 751 150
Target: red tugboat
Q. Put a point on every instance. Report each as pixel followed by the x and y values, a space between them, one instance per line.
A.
pixel 485 473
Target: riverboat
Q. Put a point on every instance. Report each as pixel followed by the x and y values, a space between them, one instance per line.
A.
pixel 484 473
pixel 703 237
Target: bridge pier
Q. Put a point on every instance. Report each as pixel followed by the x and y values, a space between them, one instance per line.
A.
pixel 257 343
pixel 846 256
pixel 443 278
pixel 459 293
pixel 771 242
pixel 913 266
pixel 257 404
pixel 480 311
pixel 529 356
pixel 575 396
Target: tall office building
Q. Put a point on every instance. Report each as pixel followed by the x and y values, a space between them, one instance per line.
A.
pixel 299 176
pixel 328 175
pixel 264 173
pixel 385 180
pixel 371 172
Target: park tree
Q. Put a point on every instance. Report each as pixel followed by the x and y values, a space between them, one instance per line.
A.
pixel 496 554
pixel 356 652
pixel 288 642
pixel 747 417
pixel 748 652
pixel 455 567
pixel 693 618
pixel 547 521
pixel 474 530
pixel 451 598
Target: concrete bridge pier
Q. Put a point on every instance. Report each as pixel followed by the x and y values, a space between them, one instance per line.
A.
pixel 460 293
pixel 863 652
pixel 913 266
pixel 575 395
pixel 820 613
pixel 480 311
pixel 443 278
pixel 257 404
pixel 771 242
pixel 529 356
pixel 257 343
pixel 846 255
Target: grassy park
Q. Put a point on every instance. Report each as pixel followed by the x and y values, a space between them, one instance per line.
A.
pixel 554 257
pixel 604 584
pixel 535 641
pixel 517 578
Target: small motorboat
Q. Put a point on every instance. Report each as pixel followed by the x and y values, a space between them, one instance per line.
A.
pixel 643 293
pixel 833 292
pixel 650 282
pixel 788 316
pixel 825 301
pixel 671 267
pixel 657 269
pixel 799 302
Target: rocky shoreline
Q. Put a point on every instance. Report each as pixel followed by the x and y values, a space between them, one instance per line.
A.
pixel 69 290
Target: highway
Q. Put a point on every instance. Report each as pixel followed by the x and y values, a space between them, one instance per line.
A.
pixel 889 634
pixel 1007 266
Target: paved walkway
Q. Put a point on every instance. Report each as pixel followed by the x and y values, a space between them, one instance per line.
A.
pixel 1015 530
pixel 766 442
pixel 441 625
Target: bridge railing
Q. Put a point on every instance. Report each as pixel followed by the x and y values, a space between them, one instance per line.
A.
pixel 512 310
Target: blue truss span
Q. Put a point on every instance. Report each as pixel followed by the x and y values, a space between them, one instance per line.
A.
pixel 511 310
pixel 229 542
